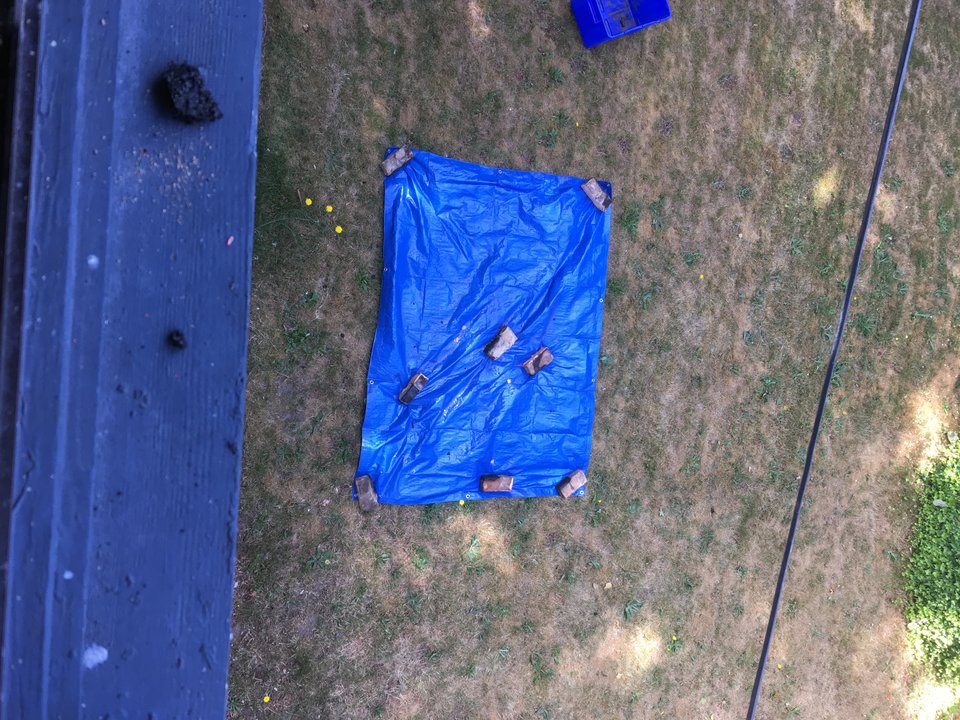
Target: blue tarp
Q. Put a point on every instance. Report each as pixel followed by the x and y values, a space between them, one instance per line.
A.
pixel 467 249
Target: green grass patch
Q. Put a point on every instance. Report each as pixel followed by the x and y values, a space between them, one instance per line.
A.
pixel 932 574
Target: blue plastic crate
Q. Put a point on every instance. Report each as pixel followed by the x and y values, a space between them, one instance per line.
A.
pixel 603 20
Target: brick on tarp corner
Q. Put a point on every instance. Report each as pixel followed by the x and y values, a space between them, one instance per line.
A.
pixel 396 160
pixel 601 201
pixel 412 388
pixel 496 483
pixel 502 341
pixel 573 482
pixel 366 496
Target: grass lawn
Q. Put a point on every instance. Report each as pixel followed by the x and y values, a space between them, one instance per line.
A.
pixel 739 138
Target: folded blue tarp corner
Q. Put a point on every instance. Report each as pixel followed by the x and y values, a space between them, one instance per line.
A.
pixel 467 249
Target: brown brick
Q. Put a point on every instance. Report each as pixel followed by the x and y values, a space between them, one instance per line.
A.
pixel 396 160
pixel 412 388
pixel 366 497
pixel 573 482
pixel 496 483
pixel 501 342
pixel 601 201
pixel 538 361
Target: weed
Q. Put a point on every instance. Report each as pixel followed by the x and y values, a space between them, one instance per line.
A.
pixel 319 558
pixel 705 540
pixel 945 222
pixel 344 452
pixel 796 247
pixel 646 296
pixel 555 74
pixel 727 81
pixel 837 379
pixel 791 608
pixel 314 422
pixel 865 323
pixel 561 119
pixel 632 607
pixel 768 384
pixel 744 192
pixel 616 287
pixel 948 167
pixel 675 645
pixel 691 258
pixel 658 220
pixel 303 341
pixel 541 671
pixel 551 137
pixel 420 558
pixel 629 219
pixel 472 553
pixel 691 465
pixel 894 183
pixel 364 280
pixel 661 347
pixel 285 454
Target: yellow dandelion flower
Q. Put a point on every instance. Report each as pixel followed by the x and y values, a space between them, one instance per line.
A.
pixel 327 561
pixel 308 202
pixel 701 276
pixel 463 502
pixel 578 123
pixel 779 666
pixel 338 229
pixel 674 637
pixel 266 698
pixel 329 208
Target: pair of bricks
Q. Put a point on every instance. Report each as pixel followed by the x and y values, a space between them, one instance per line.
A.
pixel 504 483
pixel 505 339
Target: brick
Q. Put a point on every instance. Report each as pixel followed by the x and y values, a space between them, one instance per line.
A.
pixel 366 497
pixel 412 388
pixel 496 483
pixel 573 482
pixel 601 201
pixel 396 160
pixel 501 342
pixel 538 361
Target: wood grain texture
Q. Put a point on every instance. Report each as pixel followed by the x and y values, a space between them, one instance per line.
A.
pixel 126 461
